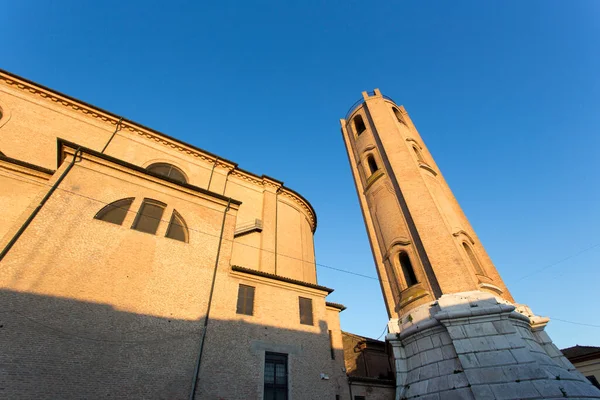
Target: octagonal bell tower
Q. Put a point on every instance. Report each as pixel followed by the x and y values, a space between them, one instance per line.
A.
pixel 453 324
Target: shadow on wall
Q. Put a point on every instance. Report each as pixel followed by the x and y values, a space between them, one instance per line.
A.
pixel 60 348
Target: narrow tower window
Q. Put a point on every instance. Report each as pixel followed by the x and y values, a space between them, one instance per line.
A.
pixel 359 125
pixel 418 153
pixel 115 212
pixel 398 115
pixel 149 216
pixel 471 255
pixel 177 228
pixel 306 311
pixel 372 164
pixel 407 269
pixel 168 170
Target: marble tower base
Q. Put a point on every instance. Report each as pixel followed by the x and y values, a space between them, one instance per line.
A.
pixel 474 345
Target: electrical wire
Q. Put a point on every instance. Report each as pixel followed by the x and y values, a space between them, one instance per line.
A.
pixel 21 178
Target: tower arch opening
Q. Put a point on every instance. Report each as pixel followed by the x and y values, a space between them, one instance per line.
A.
pixel 373 167
pixel 473 259
pixel 407 269
pixel 359 124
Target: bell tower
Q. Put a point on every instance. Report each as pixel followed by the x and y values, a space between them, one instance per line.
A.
pixel 451 315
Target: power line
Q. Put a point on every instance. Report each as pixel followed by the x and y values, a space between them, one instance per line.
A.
pixel 18 177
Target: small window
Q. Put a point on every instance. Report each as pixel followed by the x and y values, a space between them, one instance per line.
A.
pixel 168 170
pixel 306 311
pixel 398 115
pixel 177 228
pixel 407 269
pixel 149 215
pixel 115 212
pixel 276 379
pixel 245 301
pixel 360 398
pixel 473 259
pixel 372 164
pixel 359 125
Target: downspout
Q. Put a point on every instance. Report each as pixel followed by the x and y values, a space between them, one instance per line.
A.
pixel 211 173
pixel 276 230
pixel 37 209
pixel 113 135
pixel 210 296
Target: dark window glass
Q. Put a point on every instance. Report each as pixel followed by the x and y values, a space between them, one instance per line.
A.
pixel 149 216
pixel 471 255
pixel 177 228
pixel 372 164
pixel 359 125
pixel 276 381
pixel 359 398
pixel 407 269
pixel 331 345
pixel 306 312
pixel 245 301
pixel 168 170
pixel 115 212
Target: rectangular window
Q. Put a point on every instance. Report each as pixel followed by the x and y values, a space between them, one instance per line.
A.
pixel 306 312
pixel 245 301
pixel 276 380
pixel 331 345
pixel 360 398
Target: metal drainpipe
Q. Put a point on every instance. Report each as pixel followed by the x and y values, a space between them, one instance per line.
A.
pixel 39 206
pixel 212 287
pixel 276 230
pixel 113 135
pixel 211 173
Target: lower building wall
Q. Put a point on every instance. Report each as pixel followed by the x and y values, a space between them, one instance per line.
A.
pixel 368 391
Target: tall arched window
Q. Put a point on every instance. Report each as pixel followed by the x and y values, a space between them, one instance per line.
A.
pixel 407 269
pixel 168 170
pixel 398 115
pixel 177 228
pixel 149 215
pixel 115 212
pixel 359 125
pixel 418 153
pixel 473 259
pixel 372 164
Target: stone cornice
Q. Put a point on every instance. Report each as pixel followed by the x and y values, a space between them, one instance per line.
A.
pixel 91 111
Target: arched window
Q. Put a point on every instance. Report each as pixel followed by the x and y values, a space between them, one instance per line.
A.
pixel 359 125
pixel 177 228
pixel 115 212
pixel 407 269
pixel 418 153
pixel 168 170
pixel 473 259
pixel 372 164
pixel 149 215
pixel 398 115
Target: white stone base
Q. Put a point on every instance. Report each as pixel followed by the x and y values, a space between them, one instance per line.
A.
pixel 475 346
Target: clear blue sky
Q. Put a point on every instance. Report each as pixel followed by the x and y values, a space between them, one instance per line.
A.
pixel 505 95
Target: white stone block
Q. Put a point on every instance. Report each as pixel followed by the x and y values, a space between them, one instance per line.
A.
pixel 463 346
pixel 522 355
pixel 504 326
pixel 497 342
pixel 456 332
pixel 496 357
pixel 429 371
pixel 431 356
pixel 460 394
pixel 447 367
pixel 457 381
pixel 480 329
pixel 482 392
pixel 468 360
pixel 448 352
pixel 438 384
pixel 424 343
pixel 515 390
pixel 486 375
pixel 548 388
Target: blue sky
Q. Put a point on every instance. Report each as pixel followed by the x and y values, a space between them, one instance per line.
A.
pixel 505 95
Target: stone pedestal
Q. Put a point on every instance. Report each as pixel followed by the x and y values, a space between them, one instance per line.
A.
pixel 474 345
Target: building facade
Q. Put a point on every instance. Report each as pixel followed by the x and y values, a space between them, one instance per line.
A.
pixel 455 329
pixel 134 265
